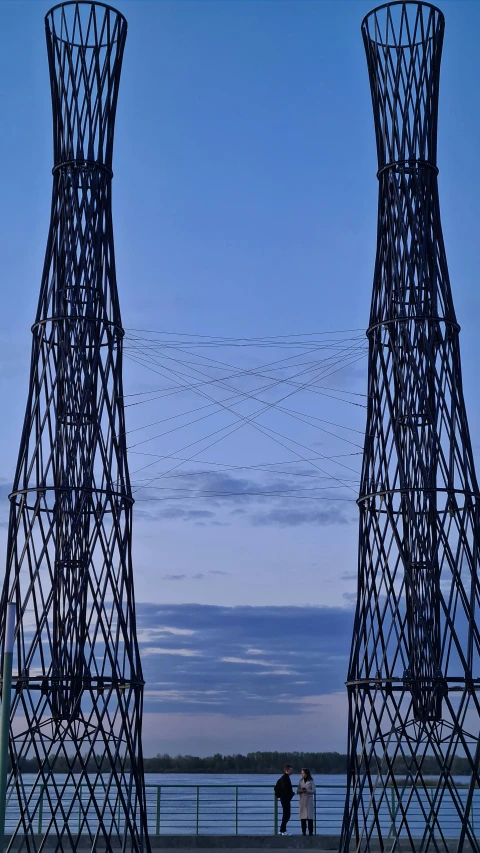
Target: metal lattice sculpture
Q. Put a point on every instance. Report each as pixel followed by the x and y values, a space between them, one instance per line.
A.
pixel 414 671
pixel 77 705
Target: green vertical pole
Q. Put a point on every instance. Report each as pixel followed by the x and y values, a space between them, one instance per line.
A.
pixel 79 808
pixel 392 809
pixel 275 815
pixel 157 825
pixel 40 810
pixel 236 809
pixel 5 714
pixel 198 803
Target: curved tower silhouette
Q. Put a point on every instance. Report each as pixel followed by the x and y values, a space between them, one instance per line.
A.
pixel 77 703
pixel 414 674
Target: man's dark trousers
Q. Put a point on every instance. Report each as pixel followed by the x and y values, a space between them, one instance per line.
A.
pixel 287 810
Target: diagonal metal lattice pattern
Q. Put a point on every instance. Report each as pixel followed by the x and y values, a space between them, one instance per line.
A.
pixel 414 672
pixel 77 671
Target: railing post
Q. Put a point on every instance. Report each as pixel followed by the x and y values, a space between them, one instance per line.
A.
pixel 79 809
pixel 5 712
pixel 320 815
pixel 157 823
pixel 40 811
pixel 392 809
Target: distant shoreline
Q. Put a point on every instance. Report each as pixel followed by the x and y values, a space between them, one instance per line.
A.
pixel 330 763
pixel 322 763
pixel 277 770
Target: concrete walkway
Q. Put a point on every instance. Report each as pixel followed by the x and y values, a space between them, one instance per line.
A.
pixel 232 843
pixel 181 843
pixel 216 843
pixel 242 849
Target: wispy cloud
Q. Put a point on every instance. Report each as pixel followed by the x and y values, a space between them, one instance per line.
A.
pixel 277 672
pixel 292 517
pixel 155 650
pixel 147 635
pixel 249 661
pixel 198 576
pixel 247 656
pixel 186 697
pixel 264 499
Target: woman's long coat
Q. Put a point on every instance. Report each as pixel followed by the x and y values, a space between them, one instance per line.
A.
pixel 306 800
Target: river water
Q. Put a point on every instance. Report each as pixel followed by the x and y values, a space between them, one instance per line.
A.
pixel 230 803
pixel 208 803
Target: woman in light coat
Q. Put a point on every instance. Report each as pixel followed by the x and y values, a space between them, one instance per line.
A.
pixel 306 791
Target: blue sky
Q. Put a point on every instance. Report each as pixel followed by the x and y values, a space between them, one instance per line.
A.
pixel 244 207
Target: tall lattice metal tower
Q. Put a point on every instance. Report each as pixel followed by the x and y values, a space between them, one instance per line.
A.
pixel 77 705
pixel 414 675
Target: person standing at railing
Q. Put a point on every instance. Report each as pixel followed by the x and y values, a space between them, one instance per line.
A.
pixel 284 792
pixel 306 793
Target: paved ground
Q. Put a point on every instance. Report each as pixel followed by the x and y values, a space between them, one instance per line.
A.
pixel 240 849
pixel 230 843
pixel 234 843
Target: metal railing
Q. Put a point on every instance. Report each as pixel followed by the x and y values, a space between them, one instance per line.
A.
pixel 221 809
pixel 229 809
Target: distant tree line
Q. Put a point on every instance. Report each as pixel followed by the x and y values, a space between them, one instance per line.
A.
pixel 273 762
pixel 253 762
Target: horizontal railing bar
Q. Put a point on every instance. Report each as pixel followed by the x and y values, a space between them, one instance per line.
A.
pixel 234 785
pixel 244 807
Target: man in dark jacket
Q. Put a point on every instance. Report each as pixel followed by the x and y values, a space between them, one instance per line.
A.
pixel 284 792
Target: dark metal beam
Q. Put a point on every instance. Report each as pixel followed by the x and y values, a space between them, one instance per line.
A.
pixel 77 672
pixel 415 659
